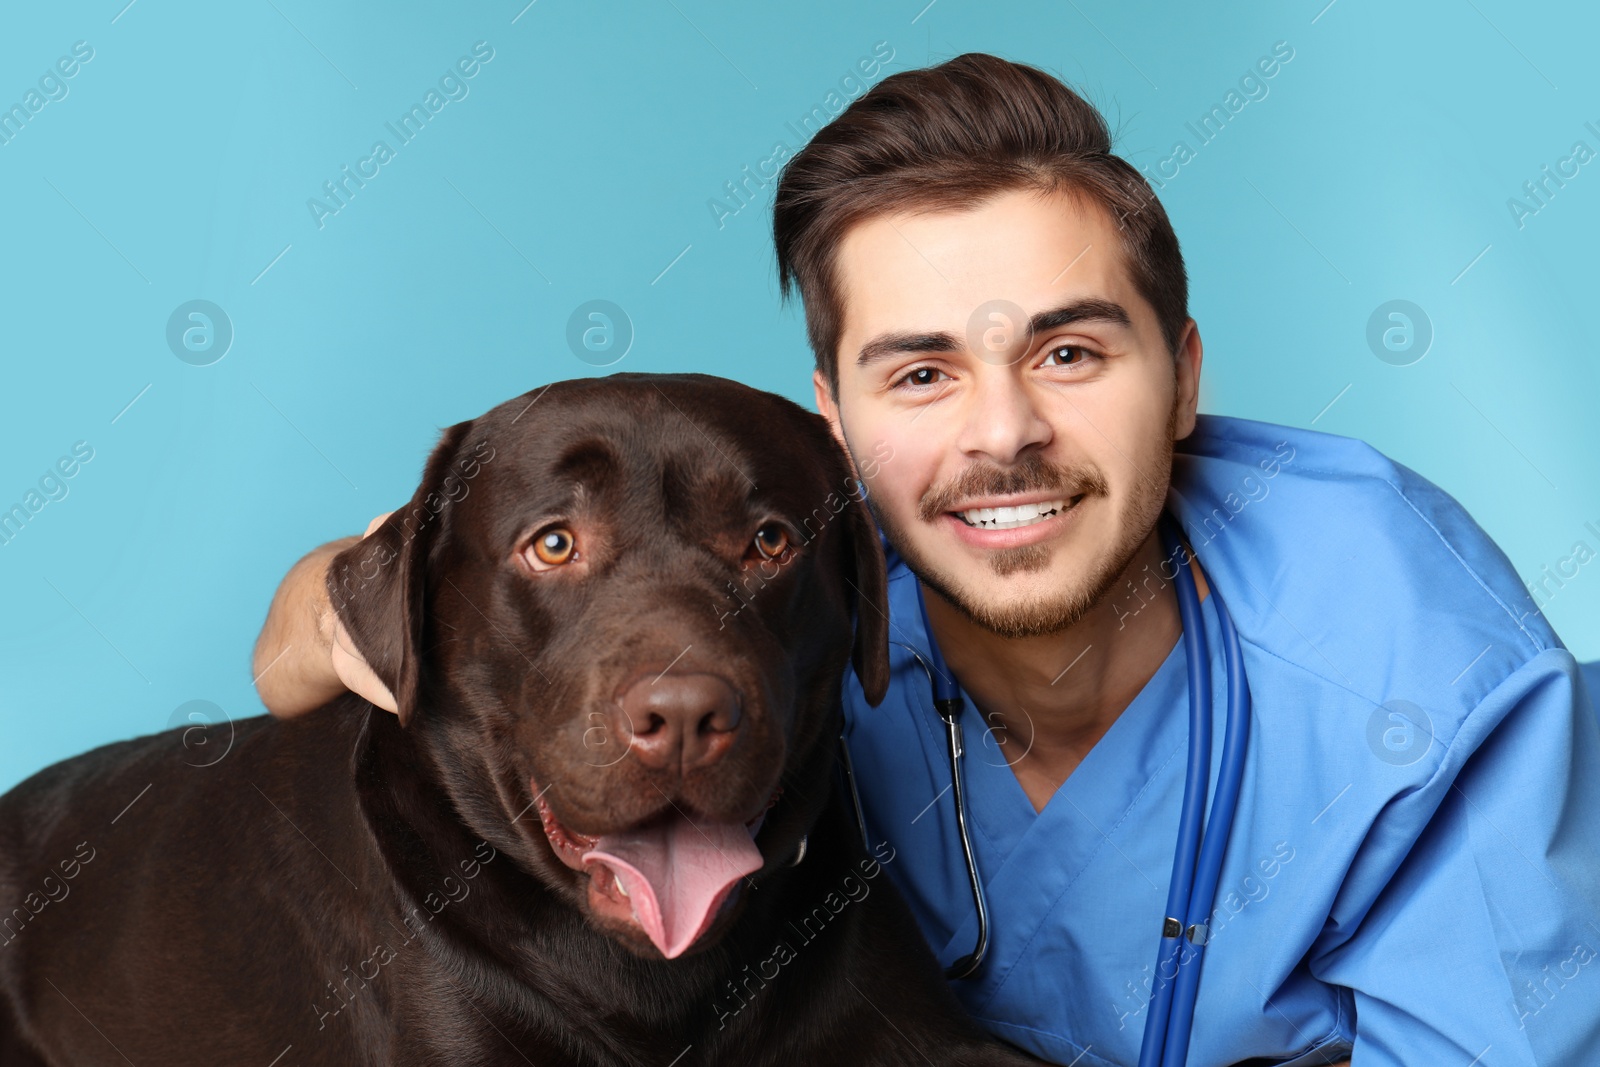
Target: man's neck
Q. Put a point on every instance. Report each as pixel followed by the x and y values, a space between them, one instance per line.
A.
pixel 1048 700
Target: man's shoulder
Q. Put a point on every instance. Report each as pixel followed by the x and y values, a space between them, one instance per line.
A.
pixel 1333 556
pixel 1226 444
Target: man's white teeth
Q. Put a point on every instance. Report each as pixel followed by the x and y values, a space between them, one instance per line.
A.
pixel 1011 518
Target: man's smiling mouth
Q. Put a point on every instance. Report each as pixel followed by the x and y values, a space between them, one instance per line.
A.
pixel 1010 518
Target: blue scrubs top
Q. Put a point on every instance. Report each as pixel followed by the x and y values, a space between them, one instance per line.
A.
pixel 1423 894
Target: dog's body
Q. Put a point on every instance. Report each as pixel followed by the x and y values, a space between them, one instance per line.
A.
pixel 354 887
pixel 202 930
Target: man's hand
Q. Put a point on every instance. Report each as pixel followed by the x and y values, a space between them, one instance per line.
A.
pixel 304 656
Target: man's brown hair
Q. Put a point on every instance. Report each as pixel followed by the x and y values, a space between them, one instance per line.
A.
pixel 949 137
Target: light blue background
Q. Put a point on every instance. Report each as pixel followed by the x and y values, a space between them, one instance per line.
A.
pixel 582 165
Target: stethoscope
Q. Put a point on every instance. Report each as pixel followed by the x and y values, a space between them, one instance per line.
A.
pixel 1197 864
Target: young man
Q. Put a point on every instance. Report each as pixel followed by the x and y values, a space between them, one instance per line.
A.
pixel 998 308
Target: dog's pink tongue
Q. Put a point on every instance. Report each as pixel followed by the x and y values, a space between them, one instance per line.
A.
pixel 677 873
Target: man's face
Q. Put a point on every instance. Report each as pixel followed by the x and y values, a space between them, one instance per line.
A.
pixel 1070 423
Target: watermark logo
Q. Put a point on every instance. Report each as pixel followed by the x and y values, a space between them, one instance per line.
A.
pixel 853 888
pixel 52 87
pixel 1399 733
pixel 1399 332
pixel 1208 126
pixel 52 888
pixel 1552 577
pixel 599 332
pixel 452 87
pixel 1538 192
pixel 199 333
pixel 207 732
pixel 750 186
pixel 999 332
pixel 52 486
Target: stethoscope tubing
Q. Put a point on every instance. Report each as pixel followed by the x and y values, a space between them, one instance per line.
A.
pixel 1230 779
pixel 1177 980
pixel 948 702
pixel 1195 783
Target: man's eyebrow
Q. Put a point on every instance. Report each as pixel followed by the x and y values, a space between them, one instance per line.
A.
pixel 1090 310
pixel 1093 310
pixel 891 344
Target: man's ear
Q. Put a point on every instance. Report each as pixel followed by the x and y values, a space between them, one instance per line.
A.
pixel 378 585
pixel 870 655
pixel 828 408
pixel 1186 362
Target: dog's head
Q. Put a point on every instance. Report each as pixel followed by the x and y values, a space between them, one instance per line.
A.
pixel 619 610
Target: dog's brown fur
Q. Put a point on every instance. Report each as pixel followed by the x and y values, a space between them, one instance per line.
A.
pixel 354 887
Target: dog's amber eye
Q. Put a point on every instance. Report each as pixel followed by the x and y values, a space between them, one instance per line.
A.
pixel 772 540
pixel 554 546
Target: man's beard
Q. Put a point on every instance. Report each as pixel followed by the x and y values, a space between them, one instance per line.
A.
pixel 1044 614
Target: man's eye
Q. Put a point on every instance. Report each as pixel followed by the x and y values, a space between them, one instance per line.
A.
pixel 1063 356
pixel 920 376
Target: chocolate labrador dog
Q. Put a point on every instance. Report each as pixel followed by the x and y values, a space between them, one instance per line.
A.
pixel 602 830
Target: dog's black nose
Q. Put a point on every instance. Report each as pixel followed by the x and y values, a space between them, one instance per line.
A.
pixel 679 721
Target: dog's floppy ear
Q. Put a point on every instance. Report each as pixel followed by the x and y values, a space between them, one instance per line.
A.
pixel 378 585
pixel 870 656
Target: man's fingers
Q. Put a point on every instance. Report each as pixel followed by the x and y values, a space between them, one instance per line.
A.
pixel 348 663
pixel 354 672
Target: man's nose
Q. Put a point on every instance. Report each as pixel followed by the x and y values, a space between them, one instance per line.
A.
pixel 1003 419
pixel 679 722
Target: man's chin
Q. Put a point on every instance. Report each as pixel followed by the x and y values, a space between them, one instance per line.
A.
pixel 1034 614
pixel 1033 590
pixel 1020 592
pixel 1027 559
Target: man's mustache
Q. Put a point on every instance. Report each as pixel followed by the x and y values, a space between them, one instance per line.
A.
pixel 1031 474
